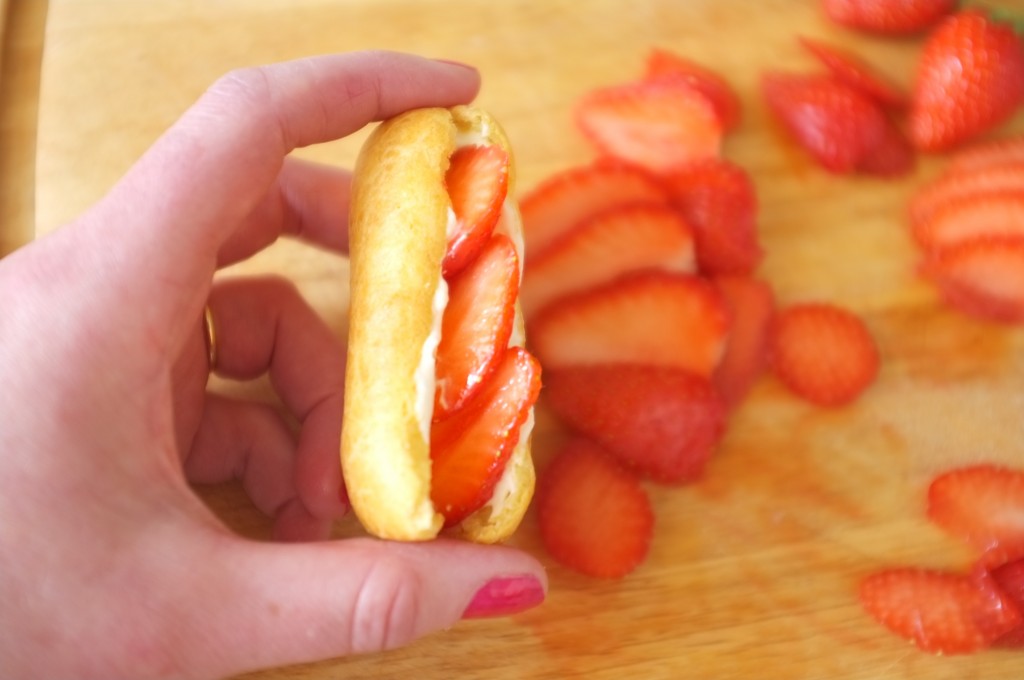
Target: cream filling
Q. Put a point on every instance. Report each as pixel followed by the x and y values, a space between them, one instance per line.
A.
pixel 510 223
pixel 426 376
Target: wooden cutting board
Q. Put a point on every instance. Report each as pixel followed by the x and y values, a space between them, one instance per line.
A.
pixel 754 569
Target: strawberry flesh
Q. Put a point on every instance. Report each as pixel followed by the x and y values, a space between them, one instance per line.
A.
pixel 853 71
pixel 477 182
pixel 594 516
pixel 650 317
pixel 940 612
pixel 718 198
pixel 663 422
pixel 619 241
pixel 832 121
pixel 982 505
pixel 823 353
pixel 662 63
pixel 470 448
pixel 567 199
pixel 476 325
pixel 954 186
pixel 893 156
pixel 655 124
pixel 751 304
pixel 888 17
pixel 970 218
pixel 983 277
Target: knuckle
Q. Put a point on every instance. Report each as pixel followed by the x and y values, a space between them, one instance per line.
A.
pixel 247 84
pixel 387 610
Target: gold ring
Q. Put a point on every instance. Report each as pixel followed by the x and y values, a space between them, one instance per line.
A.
pixel 211 337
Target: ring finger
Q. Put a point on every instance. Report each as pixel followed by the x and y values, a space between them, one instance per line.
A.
pixel 263 325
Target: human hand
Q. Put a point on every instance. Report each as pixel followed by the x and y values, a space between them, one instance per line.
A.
pixel 109 564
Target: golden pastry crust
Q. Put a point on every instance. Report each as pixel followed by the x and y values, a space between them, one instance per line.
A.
pixel 398 223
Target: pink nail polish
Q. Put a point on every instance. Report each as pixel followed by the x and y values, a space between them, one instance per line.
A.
pixel 504 596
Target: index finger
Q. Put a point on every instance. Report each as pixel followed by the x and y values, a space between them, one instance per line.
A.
pixel 172 211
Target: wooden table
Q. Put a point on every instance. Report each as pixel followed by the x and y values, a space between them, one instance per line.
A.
pixel 753 571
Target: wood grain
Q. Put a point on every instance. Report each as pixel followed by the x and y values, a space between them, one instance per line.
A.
pixel 754 569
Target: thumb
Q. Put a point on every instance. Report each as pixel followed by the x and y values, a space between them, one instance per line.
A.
pixel 291 603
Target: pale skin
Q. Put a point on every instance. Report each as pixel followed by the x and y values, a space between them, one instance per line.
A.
pixel 110 566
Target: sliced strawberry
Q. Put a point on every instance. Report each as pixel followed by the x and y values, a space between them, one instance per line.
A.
pixel 655 124
pixel 663 422
pixel 1014 639
pixel 940 612
pixel 477 182
pixel 956 185
pixel 832 121
pixel 1009 579
pixel 594 516
pixel 892 157
pixel 972 217
pixel 617 242
pixel 999 555
pixel 983 278
pixel 751 304
pixel 718 198
pixel 470 448
pixel 982 505
pixel 563 201
pixel 986 154
pixel 888 17
pixel 858 74
pixel 823 353
pixel 662 63
pixel 476 325
pixel 651 317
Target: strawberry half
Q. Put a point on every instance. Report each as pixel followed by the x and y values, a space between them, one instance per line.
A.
pixel 890 17
pixel 650 317
pixel 832 121
pixel 622 240
pixel 663 422
pixel 477 181
pixel 476 325
pixel 999 215
pixel 823 353
pixel 594 516
pixel 983 278
pixel 952 105
pixel 655 124
pixel 954 186
pixel 565 200
pixel 751 304
pixel 718 198
pixel 470 448
pixel 662 63
pixel 982 505
pixel 855 72
pixel 939 612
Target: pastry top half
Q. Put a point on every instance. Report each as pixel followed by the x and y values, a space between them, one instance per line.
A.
pixel 399 219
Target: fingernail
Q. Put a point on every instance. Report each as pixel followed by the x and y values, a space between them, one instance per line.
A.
pixel 451 62
pixel 504 596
